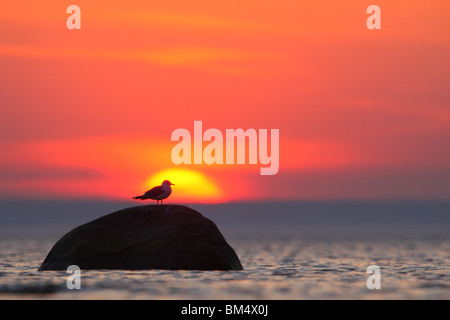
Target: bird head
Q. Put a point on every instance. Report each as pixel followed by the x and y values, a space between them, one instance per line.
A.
pixel 167 183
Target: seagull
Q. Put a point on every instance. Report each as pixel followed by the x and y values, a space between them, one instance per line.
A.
pixel 157 193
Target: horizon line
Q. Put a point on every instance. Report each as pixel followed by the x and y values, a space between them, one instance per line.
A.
pixel 236 201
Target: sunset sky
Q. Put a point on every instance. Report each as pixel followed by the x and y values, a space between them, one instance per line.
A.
pixel 362 114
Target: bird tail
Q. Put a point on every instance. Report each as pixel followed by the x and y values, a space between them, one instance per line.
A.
pixel 138 198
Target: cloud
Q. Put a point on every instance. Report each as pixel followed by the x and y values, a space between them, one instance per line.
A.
pixel 355 183
pixel 183 21
pixel 46 173
pixel 177 56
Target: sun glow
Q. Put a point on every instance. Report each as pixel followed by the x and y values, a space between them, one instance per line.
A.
pixel 188 184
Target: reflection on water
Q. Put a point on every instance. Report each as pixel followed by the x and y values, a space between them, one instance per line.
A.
pixel 275 268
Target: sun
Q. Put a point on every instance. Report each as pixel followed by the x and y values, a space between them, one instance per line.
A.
pixel 189 185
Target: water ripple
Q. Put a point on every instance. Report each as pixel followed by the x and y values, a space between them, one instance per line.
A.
pixel 273 269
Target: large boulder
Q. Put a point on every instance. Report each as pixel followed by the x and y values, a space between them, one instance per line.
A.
pixel 145 237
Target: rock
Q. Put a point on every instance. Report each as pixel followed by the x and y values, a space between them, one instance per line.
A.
pixel 146 237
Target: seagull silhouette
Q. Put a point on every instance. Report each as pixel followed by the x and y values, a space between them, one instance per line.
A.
pixel 157 193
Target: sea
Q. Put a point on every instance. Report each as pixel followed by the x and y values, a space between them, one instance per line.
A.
pixel 288 251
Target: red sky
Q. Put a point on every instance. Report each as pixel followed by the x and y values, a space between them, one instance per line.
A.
pixel 362 114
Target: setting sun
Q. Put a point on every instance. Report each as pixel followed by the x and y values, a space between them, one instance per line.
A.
pixel 188 184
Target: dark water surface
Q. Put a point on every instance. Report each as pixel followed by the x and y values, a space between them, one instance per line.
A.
pixel 275 268
pixel 288 250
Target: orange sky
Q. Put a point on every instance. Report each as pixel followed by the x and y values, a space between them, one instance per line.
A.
pixel 89 113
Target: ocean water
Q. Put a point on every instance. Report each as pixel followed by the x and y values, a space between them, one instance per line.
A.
pixel 276 266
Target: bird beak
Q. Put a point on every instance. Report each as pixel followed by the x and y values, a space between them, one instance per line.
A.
pixel 172 184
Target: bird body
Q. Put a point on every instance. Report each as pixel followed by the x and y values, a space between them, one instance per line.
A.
pixel 157 193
